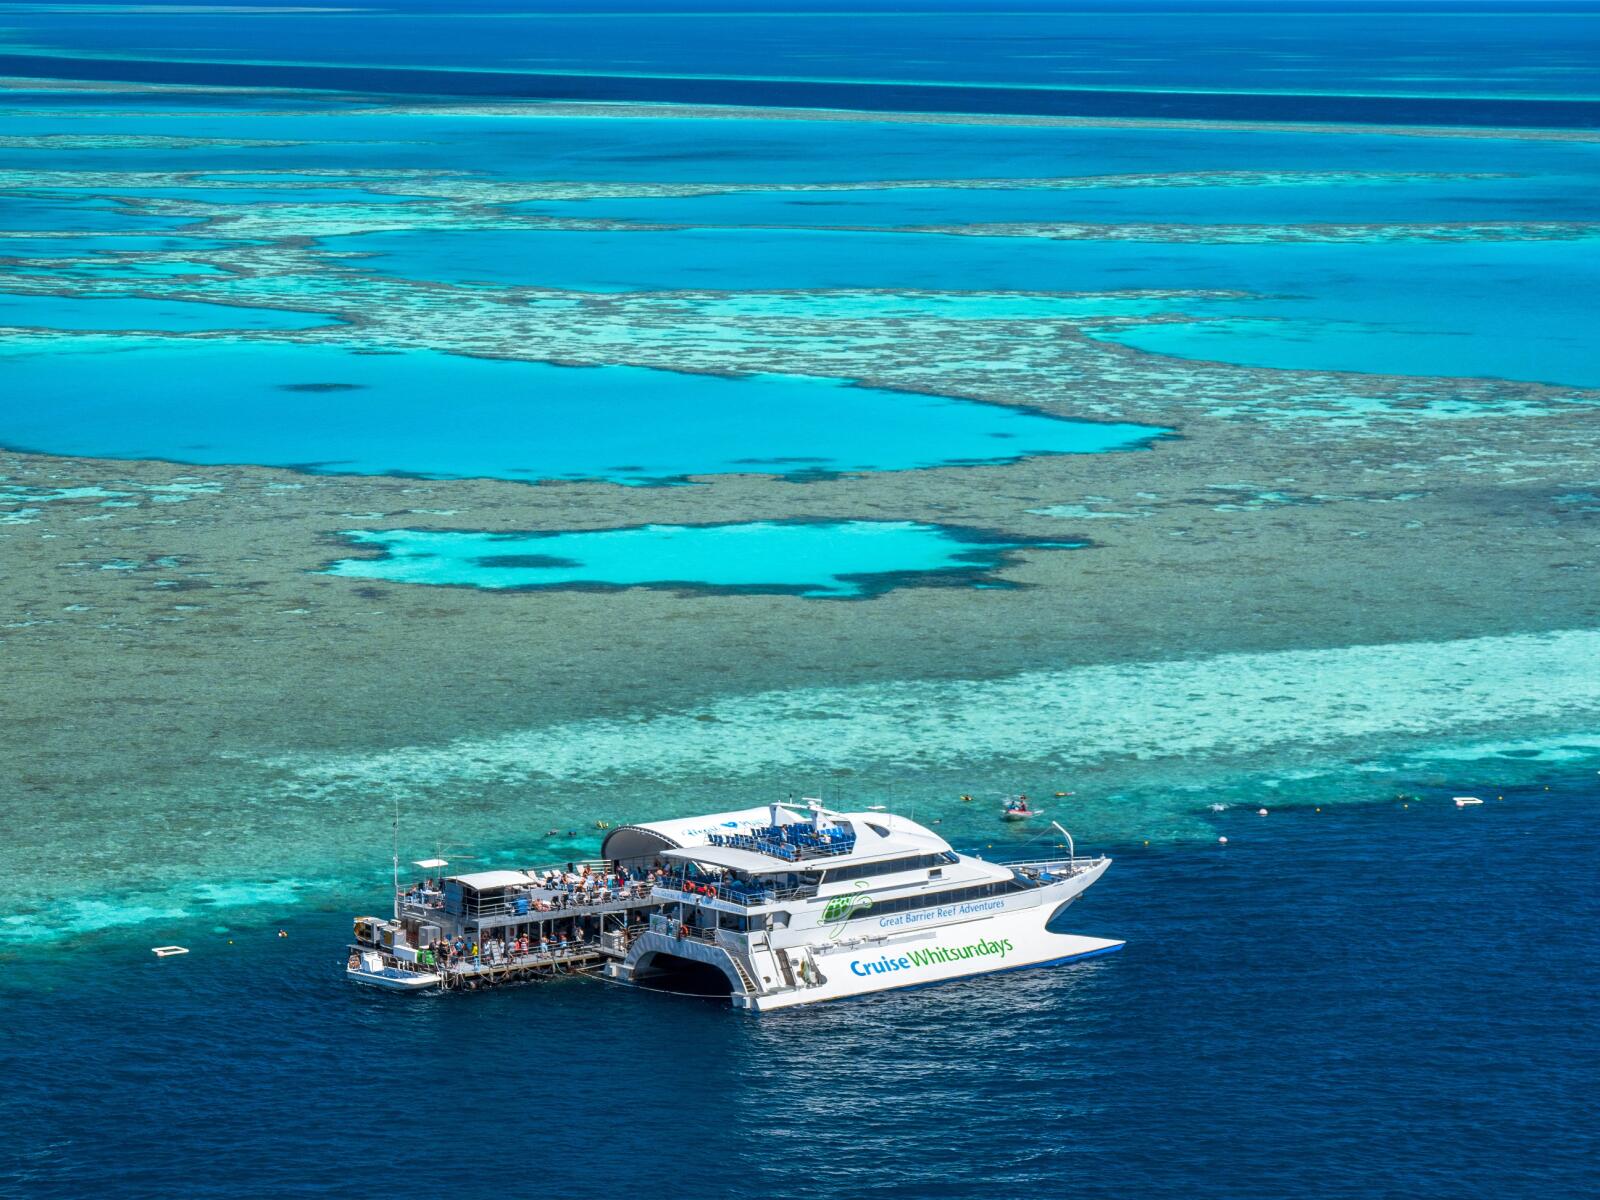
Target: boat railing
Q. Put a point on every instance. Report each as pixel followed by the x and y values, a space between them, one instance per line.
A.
pixel 744 896
pixel 534 902
pixel 668 927
pixel 1054 866
pixel 555 952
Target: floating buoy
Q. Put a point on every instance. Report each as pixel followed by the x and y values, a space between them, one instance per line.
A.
pixel 168 951
pixel 1464 801
pixel 1261 812
pixel 1319 809
pixel 1147 841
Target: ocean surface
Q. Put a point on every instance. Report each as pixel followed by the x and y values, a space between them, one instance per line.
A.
pixel 1395 997
pixel 387 256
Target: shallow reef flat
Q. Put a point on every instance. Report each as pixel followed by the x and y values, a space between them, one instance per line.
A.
pixel 1353 560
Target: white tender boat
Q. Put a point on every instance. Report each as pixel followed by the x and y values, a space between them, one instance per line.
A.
pixel 374 969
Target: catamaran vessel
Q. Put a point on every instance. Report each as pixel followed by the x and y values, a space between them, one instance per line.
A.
pixel 774 907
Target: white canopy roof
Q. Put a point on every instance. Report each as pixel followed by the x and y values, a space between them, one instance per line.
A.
pixel 738 860
pixel 492 879
pixel 429 864
pixel 644 840
pixel 880 836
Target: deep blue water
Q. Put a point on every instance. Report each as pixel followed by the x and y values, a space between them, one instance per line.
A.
pixel 1366 1002
pixel 1363 62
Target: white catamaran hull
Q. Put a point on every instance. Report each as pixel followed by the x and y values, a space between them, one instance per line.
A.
pixel 928 956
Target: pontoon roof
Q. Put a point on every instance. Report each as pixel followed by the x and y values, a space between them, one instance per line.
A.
pixel 492 879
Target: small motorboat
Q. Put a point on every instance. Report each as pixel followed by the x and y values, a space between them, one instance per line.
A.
pixel 369 967
pixel 1018 810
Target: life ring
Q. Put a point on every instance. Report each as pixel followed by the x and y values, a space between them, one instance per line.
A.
pixel 683 931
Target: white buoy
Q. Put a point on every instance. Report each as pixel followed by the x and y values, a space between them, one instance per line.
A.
pixel 168 951
pixel 1261 812
pixel 1463 801
pixel 1222 841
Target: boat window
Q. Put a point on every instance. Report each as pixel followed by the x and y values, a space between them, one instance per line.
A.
pixel 891 866
pixel 966 895
pixel 878 829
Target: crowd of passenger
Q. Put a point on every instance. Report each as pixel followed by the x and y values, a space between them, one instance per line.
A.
pixel 464 951
pixel 555 889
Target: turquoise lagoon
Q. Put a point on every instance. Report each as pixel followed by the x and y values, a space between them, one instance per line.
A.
pixel 327 135
pixel 339 410
pixel 1547 198
pixel 106 313
pixel 74 247
pixel 242 195
pixel 1509 309
pixel 90 214
pixel 92 269
pixel 837 560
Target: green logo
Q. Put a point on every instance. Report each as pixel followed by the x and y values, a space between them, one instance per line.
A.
pixel 841 908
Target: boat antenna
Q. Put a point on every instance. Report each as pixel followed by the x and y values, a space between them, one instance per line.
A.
pixel 397 860
pixel 1072 851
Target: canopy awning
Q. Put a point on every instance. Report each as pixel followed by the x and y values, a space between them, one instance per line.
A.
pixel 735 859
pixel 492 879
pixel 428 864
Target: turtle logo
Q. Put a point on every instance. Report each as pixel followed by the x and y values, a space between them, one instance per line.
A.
pixel 841 909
